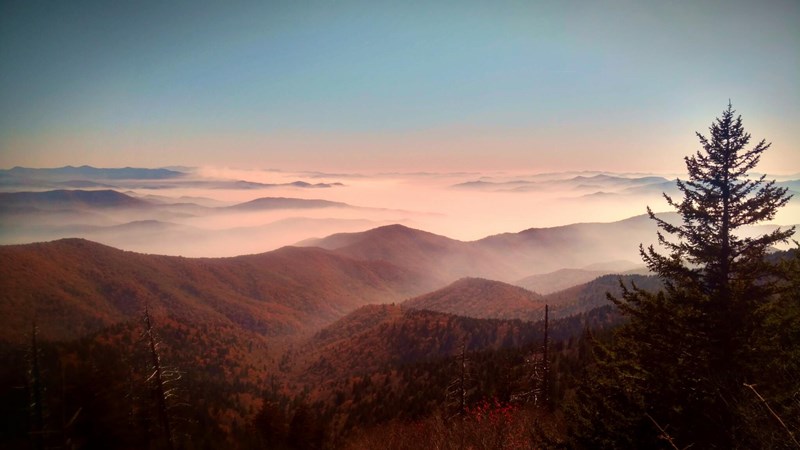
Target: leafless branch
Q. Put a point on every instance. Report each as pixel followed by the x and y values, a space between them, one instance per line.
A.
pixel 774 414
pixel 664 435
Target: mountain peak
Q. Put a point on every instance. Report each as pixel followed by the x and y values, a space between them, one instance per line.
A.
pixel 286 203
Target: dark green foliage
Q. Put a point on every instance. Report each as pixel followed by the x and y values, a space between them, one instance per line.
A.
pixel 271 423
pixel 14 400
pixel 778 361
pixel 681 359
pixel 305 430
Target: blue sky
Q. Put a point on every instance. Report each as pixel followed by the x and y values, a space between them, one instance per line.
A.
pixel 555 85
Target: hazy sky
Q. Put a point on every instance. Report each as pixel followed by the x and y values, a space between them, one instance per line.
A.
pixel 538 86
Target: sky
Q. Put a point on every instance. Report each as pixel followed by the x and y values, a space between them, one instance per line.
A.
pixel 382 86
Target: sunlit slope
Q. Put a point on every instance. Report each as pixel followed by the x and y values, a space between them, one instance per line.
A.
pixel 71 287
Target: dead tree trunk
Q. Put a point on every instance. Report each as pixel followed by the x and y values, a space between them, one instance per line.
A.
pixel 545 391
pixel 458 388
pixel 534 388
pixel 35 388
pixel 157 381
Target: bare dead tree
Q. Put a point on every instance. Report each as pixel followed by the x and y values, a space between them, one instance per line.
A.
pixel 45 429
pixel 664 435
pixel 457 391
pixel 535 386
pixel 545 385
pixel 35 390
pixel 66 425
pixel 458 388
pixel 752 387
pixel 159 380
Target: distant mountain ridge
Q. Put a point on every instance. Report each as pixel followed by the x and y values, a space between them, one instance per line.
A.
pixel 504 257
pixel 78 198
pixel 133 178
pixel 444 258
pixel 124 173
pixel 265 203
pixel 587 296
pixel 565 278
pixel 65 199
pixel 166 225
pixel 579 182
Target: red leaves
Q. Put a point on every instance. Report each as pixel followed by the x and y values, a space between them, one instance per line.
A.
pixel 492 412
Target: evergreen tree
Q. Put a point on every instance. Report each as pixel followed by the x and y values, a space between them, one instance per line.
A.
pixel 675 371
pixel 709 258
pixel 306 431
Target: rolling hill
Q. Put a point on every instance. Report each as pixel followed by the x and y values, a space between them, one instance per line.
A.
pixel 444 258
pixel 375 337
pixel 547 283
pixel 384 338
pixel 487 299
pixel 482 299
pixel 587 296
pixel 73 287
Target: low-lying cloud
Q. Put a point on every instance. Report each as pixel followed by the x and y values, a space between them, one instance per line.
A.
pixel 205 211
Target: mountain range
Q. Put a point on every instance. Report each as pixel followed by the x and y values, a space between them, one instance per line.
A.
pixel 67 199
pixel 88 177
pixel 251 315
pixel 362 323
pixel 73 287
pixel 375 313
pixel 521 258
pixel 89 173
pixel 505 257
pixel 597 182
